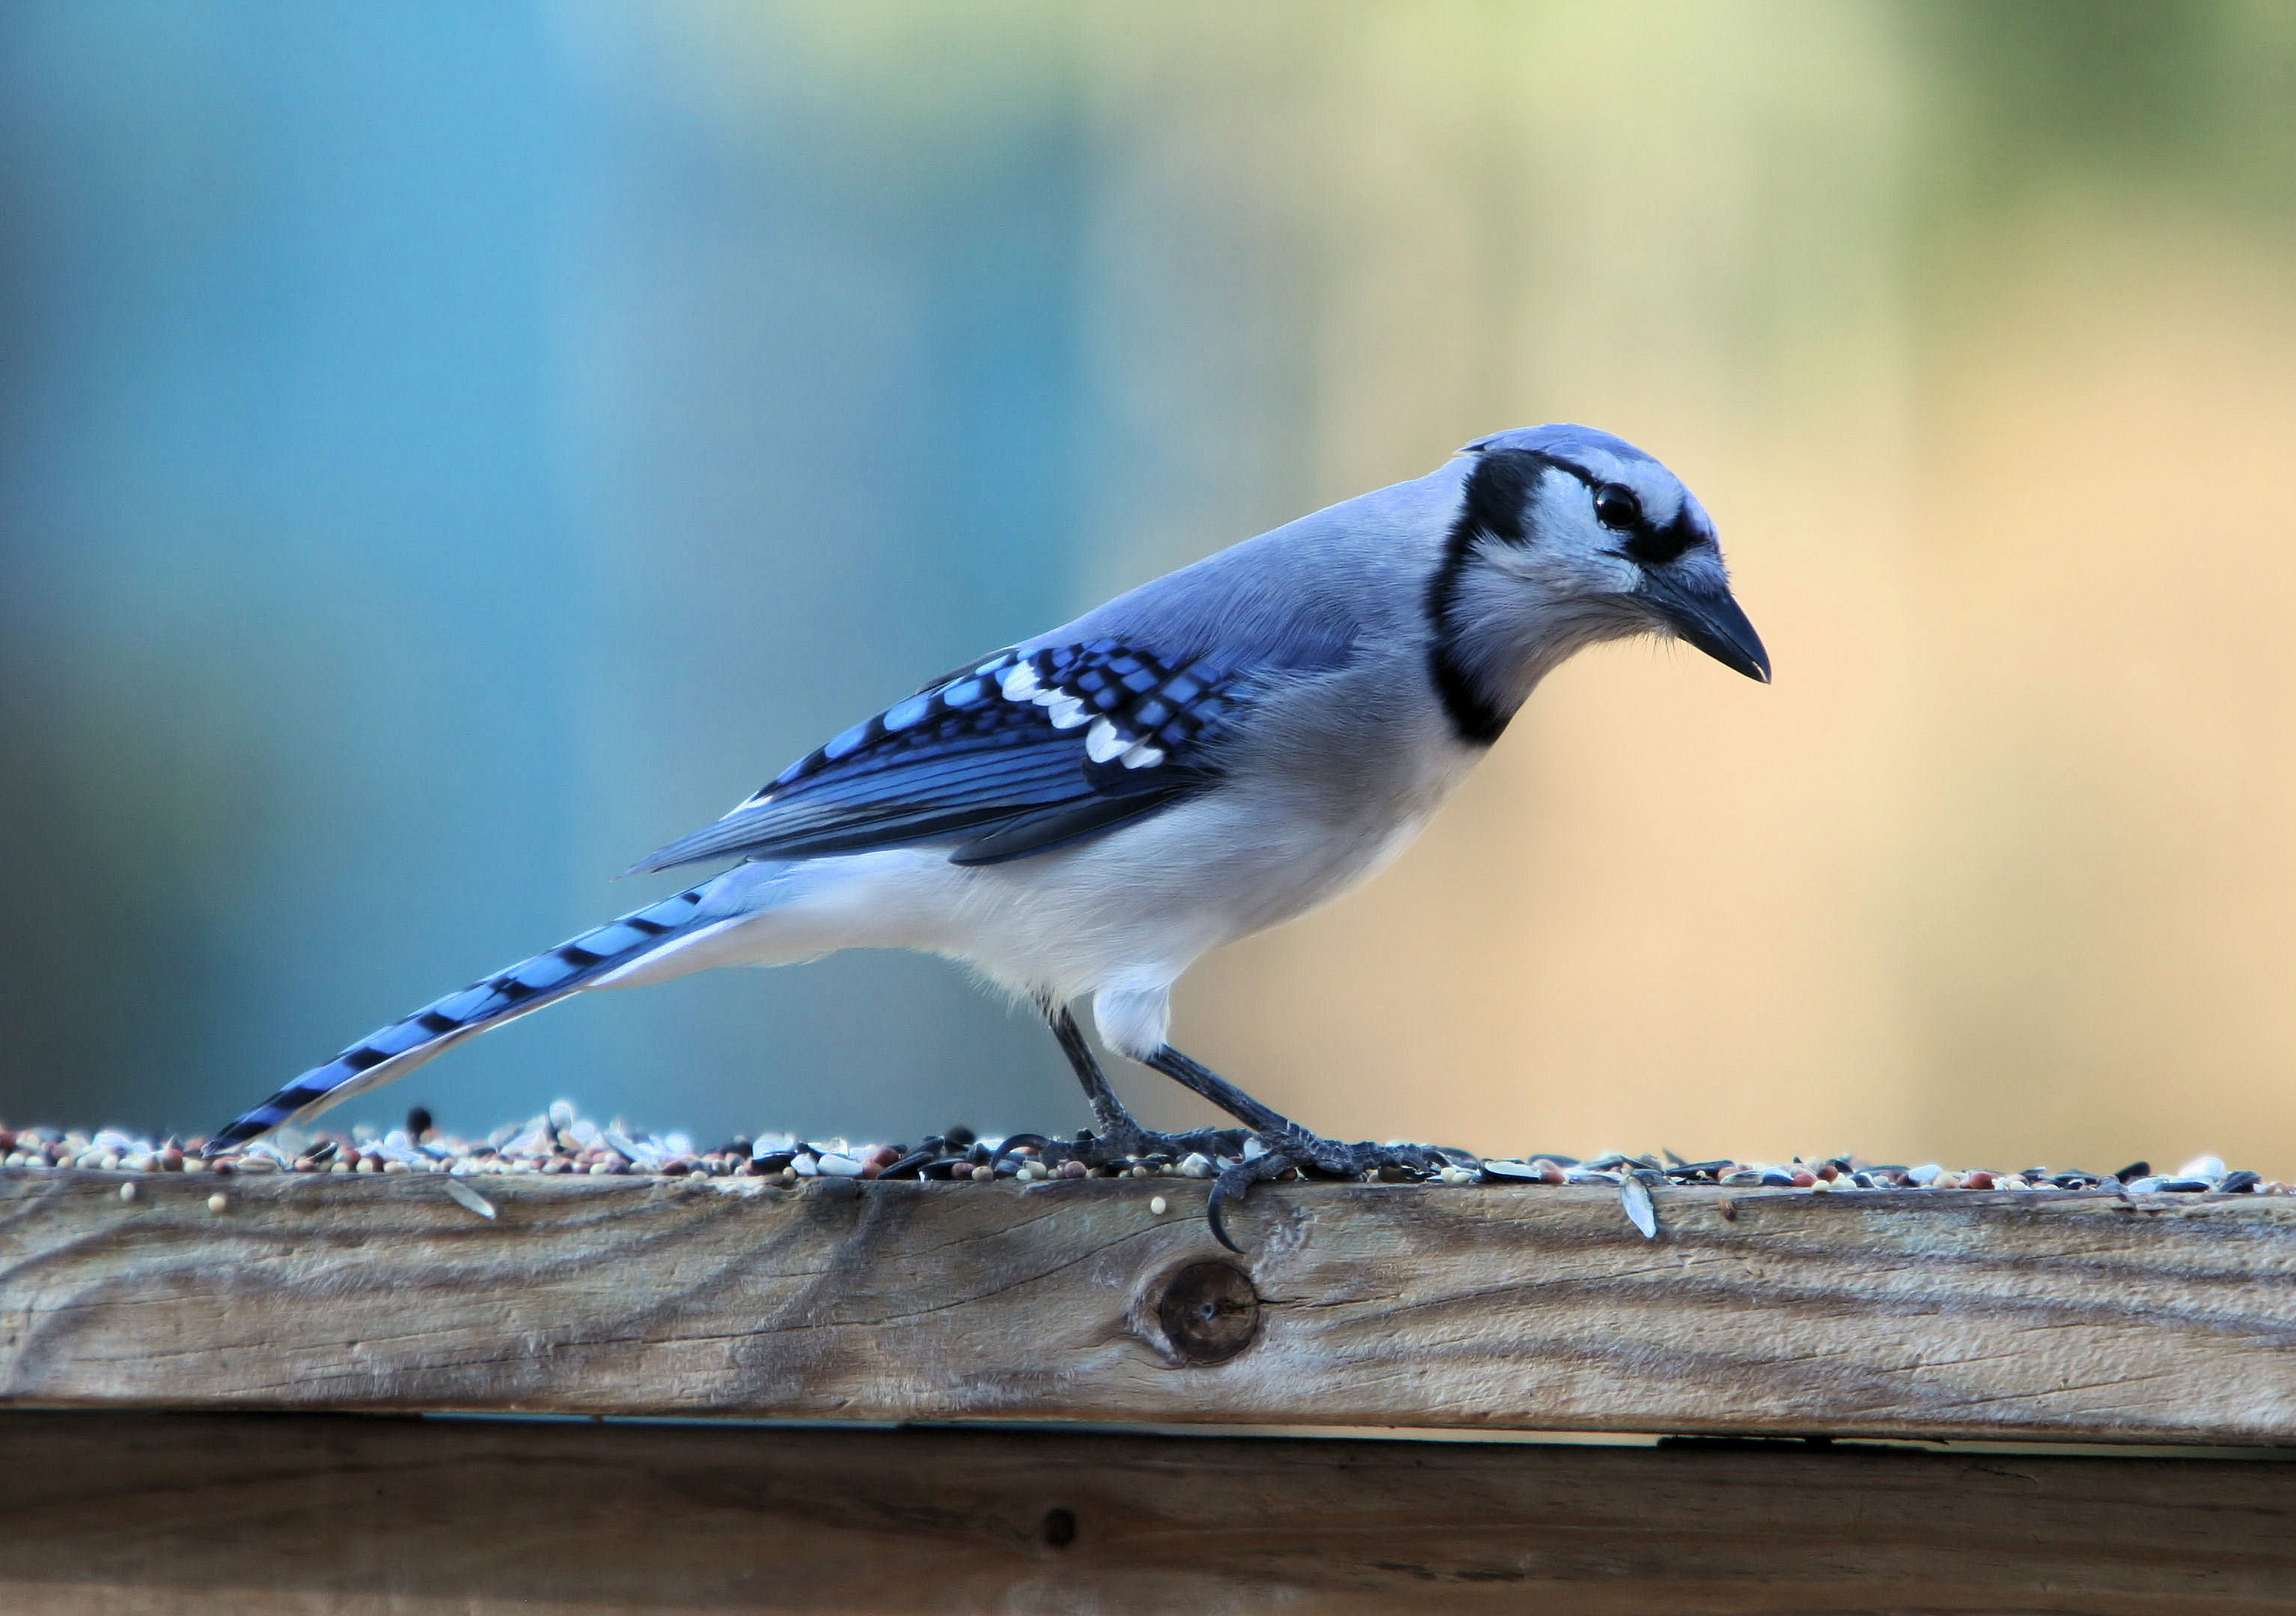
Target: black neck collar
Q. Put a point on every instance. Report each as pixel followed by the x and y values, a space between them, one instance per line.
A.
pixel 1497 493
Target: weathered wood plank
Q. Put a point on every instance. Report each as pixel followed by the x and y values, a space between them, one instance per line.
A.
pixel 104 1515
pixel 1959 1315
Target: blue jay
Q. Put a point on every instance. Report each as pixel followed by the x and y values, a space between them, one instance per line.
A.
pixel 1083 814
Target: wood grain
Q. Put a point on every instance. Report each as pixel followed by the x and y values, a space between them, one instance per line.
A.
pixel 1968 1315
pixel 104 1515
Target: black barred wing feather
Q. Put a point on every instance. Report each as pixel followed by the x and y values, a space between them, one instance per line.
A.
pixel 1019 755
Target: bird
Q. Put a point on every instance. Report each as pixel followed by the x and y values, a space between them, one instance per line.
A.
pixel 1080 817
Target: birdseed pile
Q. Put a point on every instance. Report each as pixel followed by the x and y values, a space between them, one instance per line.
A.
pixel 563 1141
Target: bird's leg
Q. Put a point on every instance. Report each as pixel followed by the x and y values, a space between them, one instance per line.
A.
pixel 1109 1117
pixel 1285 1144
pixel 1195 1075
pixel 1116 1134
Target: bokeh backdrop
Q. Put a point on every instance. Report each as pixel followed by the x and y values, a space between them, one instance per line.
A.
pixel 449 449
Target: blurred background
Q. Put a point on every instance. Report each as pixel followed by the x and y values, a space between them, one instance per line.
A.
pixel 447 451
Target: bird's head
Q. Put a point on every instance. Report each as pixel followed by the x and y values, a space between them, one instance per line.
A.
pixel 1564 536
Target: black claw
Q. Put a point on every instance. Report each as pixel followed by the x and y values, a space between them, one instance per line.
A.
pixel 1212 1205
pixel 1235 1182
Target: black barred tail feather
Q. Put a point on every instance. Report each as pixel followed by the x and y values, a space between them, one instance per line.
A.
pixel 526 987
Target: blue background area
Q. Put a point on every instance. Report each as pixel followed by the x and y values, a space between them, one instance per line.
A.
pixel 436 474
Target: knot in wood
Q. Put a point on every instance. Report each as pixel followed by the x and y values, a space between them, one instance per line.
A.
pixel 1210 1312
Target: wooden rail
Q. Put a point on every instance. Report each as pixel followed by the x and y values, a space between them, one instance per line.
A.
pixel 2031 1315
pixel 107 1515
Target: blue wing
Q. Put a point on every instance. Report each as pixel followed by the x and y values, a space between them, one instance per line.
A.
pixel 1025 752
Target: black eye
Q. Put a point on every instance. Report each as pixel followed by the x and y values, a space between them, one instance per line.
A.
pixel 1617 508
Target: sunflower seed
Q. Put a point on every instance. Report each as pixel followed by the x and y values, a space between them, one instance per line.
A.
pixel 468 1198
pixel 1634 1196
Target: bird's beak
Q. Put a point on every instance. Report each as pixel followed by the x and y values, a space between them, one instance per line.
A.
pixel 1711 619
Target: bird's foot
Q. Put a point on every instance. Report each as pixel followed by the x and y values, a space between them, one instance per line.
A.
pixel 1124 1143
pixel 1312 1154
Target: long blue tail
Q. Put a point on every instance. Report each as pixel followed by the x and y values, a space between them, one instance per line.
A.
pixel 526 987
